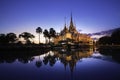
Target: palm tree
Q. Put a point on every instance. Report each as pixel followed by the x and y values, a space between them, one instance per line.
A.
pixel 11 37
pixel 52 33
pixel 27 36
pixel 46 34
pixel 39 31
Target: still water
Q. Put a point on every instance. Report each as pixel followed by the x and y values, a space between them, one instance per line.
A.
pixel 60 65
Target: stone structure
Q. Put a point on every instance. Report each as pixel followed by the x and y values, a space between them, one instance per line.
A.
pixel 69 35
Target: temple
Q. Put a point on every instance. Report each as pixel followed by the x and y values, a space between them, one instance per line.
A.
pixel 69 35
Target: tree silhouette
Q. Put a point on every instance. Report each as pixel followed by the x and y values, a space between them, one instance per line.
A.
pixel 39 31
pixel 11 37
pixel 2 39
pixel 116 37
pixel 113 39
pixel 105 40
pixel 52 34
pixel 46 34
pixel 27 36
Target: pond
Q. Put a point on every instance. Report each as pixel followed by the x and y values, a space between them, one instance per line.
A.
pixel 60 65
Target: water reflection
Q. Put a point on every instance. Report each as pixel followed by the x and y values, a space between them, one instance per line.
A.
pixel 71 58
pixel 113 52
pixel 21 56
pixel 67 58
pixel 64 56
pixel 67 65
pixel 49 57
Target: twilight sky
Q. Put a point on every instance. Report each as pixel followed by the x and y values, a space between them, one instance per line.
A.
pixel 88 15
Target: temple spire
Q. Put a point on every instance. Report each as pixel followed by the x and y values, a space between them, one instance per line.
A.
pixel 71 27
pixel 71 21
pixel 65 30
pixel 65 21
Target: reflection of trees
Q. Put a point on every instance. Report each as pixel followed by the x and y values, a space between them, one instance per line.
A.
pixel 7 59
pixel 51 59
pixel 45 60
pixel 68 58
pixel 38 63
pixel 110 51
pixel 21 56
pixel 25 59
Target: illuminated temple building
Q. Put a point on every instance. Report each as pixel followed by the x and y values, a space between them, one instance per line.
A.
pixel 70 35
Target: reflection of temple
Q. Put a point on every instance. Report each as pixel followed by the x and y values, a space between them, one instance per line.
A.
pixel 72 58
pixel 71 34
pixel 67 58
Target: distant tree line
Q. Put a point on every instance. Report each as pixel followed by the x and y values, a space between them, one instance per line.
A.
pixel 11 38
pixel 114 39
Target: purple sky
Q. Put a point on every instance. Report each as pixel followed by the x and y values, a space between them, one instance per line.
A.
pixel 88 15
